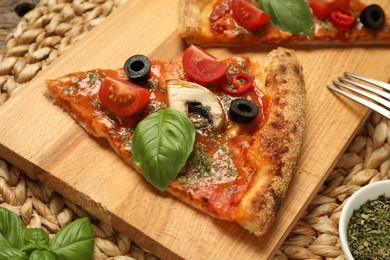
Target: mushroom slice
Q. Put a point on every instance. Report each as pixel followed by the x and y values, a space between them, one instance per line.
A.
pixel 181 93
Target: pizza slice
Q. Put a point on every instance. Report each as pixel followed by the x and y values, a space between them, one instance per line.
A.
pixel 221 135
pixel 283 22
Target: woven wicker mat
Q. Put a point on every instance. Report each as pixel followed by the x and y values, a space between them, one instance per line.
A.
pixel 54 25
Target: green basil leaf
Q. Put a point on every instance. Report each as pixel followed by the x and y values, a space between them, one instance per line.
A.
pixel 42 255
pixel 74 241
pixel 289 15
pixel 12 253
pixel 162 143
pixel 4 242
pixel 35 238
pixel 11 229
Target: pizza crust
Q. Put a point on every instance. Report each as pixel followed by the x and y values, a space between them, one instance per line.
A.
pixel 189 24
pixel 277 145
pixel 193 20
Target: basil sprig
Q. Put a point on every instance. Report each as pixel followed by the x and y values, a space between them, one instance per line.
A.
pixel 289 15
pixel 74 241
pixel 162 143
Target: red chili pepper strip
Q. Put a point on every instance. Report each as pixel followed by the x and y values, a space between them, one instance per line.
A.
pixel 342 18
pixel 236 83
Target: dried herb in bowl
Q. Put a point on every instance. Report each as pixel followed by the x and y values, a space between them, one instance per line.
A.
pixel 368 230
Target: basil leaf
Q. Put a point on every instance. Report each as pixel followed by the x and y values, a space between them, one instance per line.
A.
pixel 4 242
pixel 74 241
pixel 289 15
pixel 162 143
pixel 42 255
pixel 11 229
pixel 12 253
pixel 35 238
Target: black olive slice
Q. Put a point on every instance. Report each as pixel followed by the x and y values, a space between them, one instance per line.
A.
pixel 197 108
pixel 243 111
pixel 373 16
pixel 137 68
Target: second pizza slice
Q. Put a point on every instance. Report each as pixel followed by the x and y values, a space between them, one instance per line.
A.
pixel 283 22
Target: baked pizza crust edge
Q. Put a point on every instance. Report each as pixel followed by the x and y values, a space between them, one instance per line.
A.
pixel 192 20
pixel 277 145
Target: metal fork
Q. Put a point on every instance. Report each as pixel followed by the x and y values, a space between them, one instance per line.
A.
pixel 374 96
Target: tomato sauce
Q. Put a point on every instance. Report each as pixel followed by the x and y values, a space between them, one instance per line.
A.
pixel 217 173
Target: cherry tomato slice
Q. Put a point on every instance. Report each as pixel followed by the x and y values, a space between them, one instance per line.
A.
pixel 248 16
pixel 236 84
pixel 122 97
pixel 342 19
pixel 323 8
pixel 201 66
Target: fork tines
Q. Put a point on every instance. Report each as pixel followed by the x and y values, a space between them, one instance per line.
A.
pixel 374 95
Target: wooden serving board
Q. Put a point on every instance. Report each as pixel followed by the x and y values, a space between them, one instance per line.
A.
pixel 48 145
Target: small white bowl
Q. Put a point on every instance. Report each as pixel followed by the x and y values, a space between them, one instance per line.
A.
pixel 369 192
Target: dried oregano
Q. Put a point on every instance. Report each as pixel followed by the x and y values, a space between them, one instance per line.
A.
pixel 369 230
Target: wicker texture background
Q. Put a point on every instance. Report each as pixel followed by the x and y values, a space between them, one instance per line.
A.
pixel 49 30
